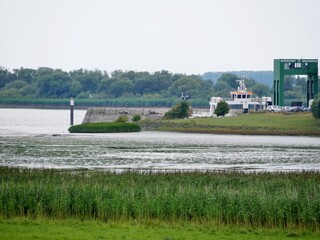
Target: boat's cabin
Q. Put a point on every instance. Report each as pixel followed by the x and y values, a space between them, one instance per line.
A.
pixel 241 95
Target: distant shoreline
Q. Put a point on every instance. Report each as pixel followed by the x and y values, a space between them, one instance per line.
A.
pixel 41 106
pixel 252 125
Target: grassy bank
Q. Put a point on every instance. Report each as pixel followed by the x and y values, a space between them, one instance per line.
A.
pixel 272 200
pixel 26 228
pixel 254 123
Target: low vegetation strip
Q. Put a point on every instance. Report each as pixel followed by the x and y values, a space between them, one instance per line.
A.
pixel 105 127
pixel 85 103
pixel 282 200
pixel 262 123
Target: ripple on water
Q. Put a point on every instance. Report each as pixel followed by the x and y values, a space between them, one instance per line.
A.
pixel 162 151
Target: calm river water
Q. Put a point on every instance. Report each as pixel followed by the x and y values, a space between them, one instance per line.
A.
pixel 39 139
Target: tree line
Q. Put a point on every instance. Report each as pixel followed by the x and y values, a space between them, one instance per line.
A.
pixel 51 83
pixel 265 77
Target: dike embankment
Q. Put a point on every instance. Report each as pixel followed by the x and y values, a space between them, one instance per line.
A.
pixel 108 114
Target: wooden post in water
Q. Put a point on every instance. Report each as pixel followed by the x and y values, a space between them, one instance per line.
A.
pixel 71 110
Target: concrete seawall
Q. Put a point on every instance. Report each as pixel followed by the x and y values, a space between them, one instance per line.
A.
pixel 108 114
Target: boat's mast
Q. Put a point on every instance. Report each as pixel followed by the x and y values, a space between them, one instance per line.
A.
pixel 242 86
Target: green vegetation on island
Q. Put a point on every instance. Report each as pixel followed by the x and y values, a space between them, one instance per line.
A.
pixel 105 127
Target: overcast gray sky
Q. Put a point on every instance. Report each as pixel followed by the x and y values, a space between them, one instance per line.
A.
pixel 182 36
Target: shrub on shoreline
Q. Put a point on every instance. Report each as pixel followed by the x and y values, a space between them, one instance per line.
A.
pixel 315 107
pixel 136 118
pixel 105 127
pixel 122 119
pixel 179 111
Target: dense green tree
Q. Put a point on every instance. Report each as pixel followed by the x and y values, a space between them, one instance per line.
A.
pixel 10 93
pixel 130 75
pixel 160 81
pixel 230 79
pixel 140 86
pixel 301 84
pixel 250 83
pixel 189 85
pixel 25 74
pixel 229 82
pixel 222 89
pixel 121 86
pixel 82 83
pixel 76 73
pixel 179 111
pixel 222 109
pixel 155 83
pixel 56 84
pixel 29 90
pixel 90 80
pixel 264 77
pixel 44 71
pixel 295 89
pixel 104 85
pixel 5 77
pixel 261 90
pixel 288 83
pixel 118 74
pixel 75 88
pixel 17 84
pixel 206 85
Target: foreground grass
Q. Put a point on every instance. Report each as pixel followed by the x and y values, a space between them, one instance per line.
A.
pixel 253 123
pixel 271 200
pixel 24 228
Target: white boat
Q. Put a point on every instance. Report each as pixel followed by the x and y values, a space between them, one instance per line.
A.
pixel 241 100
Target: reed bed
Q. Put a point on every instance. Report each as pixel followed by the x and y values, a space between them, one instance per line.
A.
pixel 227 198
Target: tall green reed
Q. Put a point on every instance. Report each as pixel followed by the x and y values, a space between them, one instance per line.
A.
pixel 255 199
